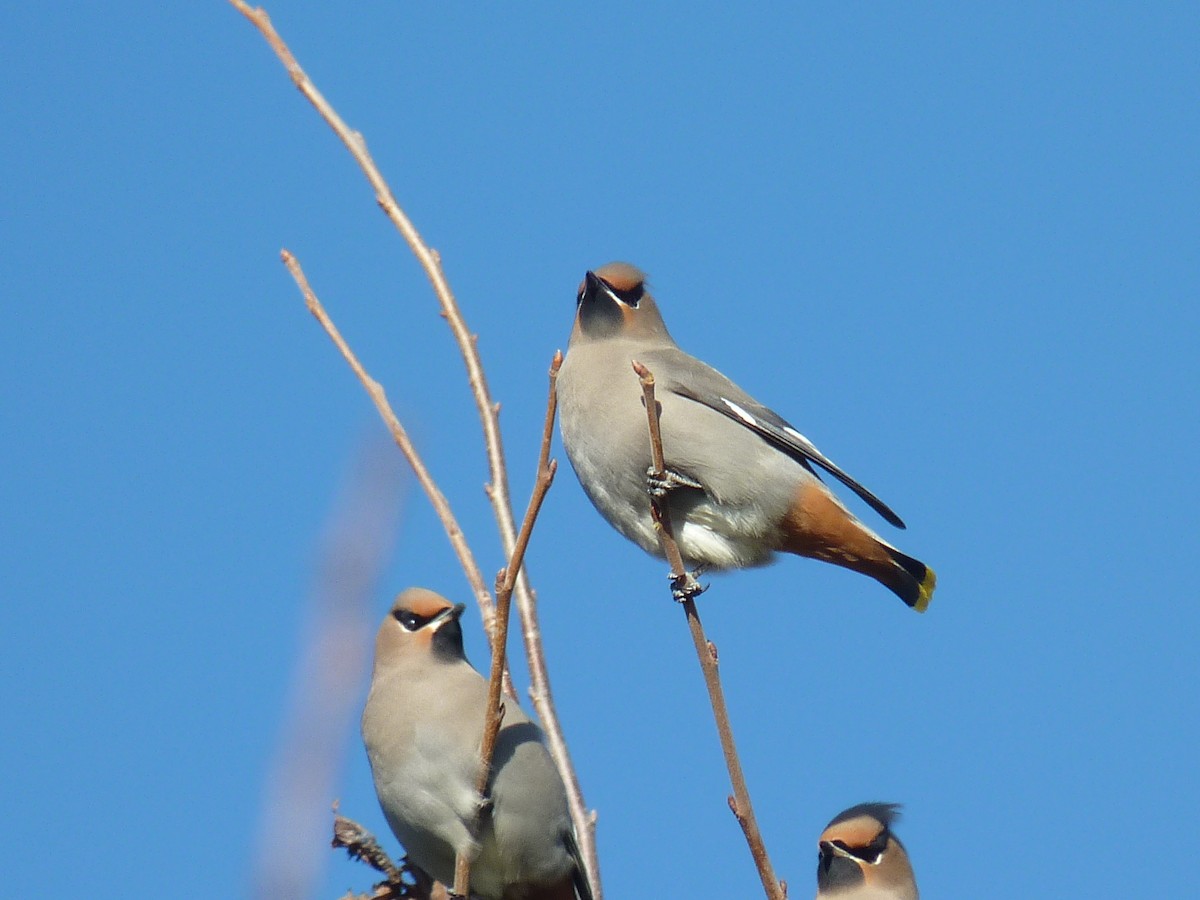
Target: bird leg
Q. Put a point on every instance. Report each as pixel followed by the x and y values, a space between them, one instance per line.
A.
pixel 659 484
pixel 484 807
pixel 686 587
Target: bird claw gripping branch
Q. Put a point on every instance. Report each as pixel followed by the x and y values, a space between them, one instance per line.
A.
pixel 659 484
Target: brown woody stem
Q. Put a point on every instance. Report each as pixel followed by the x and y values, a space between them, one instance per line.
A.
pixel 686 590
pixel 497 490
pixel 505 580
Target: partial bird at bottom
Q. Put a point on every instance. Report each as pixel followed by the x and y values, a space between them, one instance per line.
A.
pixel 861 859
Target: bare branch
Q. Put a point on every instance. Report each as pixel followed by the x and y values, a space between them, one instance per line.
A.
pixel 379 397
pixel 582 818
pixel 430 260
pixel 405 882
pixel 497 490
pixel 686 590
pixel 361 845
pixel 505 581
pixel 681 581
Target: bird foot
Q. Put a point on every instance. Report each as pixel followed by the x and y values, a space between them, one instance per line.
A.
pixel 659 484
pixel 686 587
pixel 485 805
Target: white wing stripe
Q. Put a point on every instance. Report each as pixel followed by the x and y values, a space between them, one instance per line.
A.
pixel 794 433
pixel 740 413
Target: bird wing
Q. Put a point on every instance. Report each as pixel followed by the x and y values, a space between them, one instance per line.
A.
pixel 583 889
pixel 694 380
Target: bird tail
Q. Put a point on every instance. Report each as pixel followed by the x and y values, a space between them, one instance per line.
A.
pixel 911 580
pixel 820 527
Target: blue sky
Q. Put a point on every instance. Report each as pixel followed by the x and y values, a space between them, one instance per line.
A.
pixel 955 245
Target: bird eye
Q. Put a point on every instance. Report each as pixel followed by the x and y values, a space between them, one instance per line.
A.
pixel 869 854
pixel 631 297
pixel 410 620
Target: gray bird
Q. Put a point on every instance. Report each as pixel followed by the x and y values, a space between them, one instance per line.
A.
pixel 422 726
pixel 740 480
pixel 860 858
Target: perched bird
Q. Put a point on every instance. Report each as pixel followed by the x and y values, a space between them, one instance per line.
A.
pixel 740 482
pixel 860 858
pixel 423 725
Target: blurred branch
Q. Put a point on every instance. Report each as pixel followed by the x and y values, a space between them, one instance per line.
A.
pixel 357 543
pixel 505 581
pixel 497 490
pixel 685 588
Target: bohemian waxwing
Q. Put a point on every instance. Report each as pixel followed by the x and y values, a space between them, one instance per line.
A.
pixel 422 726
pixel 860 858
pixel 741 479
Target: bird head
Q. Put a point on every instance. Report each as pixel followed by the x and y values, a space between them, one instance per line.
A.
pixel 613 302
pixel 858 851
pixel 420 624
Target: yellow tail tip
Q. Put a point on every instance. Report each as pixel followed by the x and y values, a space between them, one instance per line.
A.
pixel 926 591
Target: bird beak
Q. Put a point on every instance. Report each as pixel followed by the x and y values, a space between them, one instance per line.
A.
pixel 592 285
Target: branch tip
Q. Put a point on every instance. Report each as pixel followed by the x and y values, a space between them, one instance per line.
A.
pixel 399 435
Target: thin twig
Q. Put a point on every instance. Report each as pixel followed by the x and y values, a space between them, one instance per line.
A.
pixel 583 819
pixel 403 882
pixel 686 589
pixel 505 580
pixel 498 492
pixel 379 397
pixel 361 845
pixel 507 577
